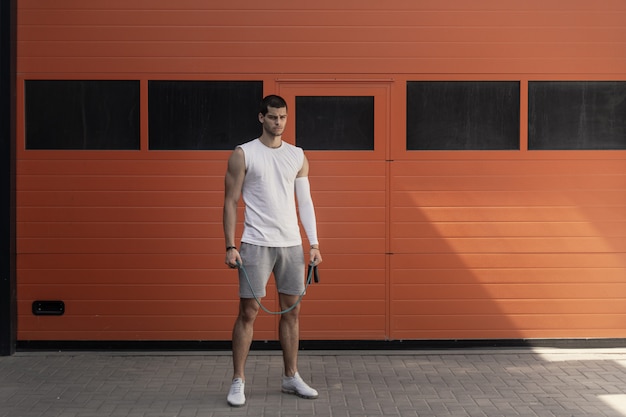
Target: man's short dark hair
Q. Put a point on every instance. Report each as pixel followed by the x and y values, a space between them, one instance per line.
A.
pixel 272 101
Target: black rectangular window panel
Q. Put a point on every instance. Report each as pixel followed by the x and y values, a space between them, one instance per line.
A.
pixel 82 114
pixel 576 115
pixel 203 115
pixel 462 115
pixel 339 123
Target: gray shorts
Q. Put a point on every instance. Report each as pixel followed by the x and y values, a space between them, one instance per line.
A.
pixel 259 262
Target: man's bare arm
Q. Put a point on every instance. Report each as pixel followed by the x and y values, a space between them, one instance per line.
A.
pixel 233 183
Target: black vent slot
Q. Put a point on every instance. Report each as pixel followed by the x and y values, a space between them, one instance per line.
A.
pixel 48 308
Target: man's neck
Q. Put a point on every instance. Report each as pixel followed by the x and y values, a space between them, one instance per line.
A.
pixel 271 141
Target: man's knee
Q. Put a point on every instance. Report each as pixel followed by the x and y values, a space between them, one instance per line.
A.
pixel 287 303
pixel 248 310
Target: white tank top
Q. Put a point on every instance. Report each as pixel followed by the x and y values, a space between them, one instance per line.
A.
pixel 269 194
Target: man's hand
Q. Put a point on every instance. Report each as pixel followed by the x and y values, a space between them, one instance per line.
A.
pixel 315 257
pixel 233 258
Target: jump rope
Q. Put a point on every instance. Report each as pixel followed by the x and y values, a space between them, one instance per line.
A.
pixel 311 274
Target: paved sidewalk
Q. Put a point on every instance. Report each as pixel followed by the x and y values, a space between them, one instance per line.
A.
pixel 493 382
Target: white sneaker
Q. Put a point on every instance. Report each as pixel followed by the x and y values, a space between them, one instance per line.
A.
pixel 236 396
pixel 295 385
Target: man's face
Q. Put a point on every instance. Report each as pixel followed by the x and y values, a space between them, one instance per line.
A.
pixel 274 121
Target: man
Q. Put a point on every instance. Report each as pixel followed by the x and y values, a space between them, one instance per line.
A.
pixel 268 172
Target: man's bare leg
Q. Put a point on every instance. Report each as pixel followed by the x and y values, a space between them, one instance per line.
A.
pixel 289 333
pixel 290 341
pixel 243 331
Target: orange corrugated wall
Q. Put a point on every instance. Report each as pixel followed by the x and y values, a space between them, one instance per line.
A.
pixel 417 245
